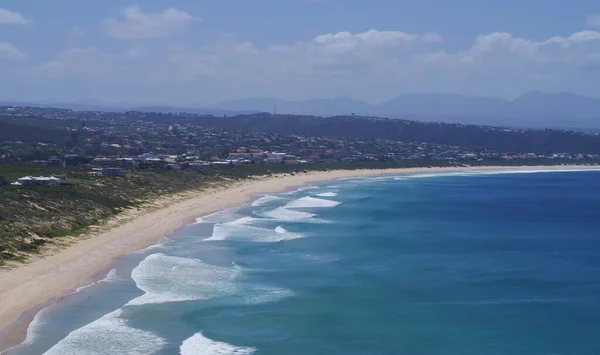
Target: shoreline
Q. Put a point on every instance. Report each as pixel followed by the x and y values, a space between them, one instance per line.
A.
pixel 29 288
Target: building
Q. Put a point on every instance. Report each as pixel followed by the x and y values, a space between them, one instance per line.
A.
pixel 53 161
pixel 113 172
pixel 39 180
pixel 275 158
pixel 104 162
pixel 75 160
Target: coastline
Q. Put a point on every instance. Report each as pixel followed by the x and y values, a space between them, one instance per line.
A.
pixel 31 287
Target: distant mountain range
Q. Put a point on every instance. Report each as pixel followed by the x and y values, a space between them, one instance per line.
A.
pixel 533 109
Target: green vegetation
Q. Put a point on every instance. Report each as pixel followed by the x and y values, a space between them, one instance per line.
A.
pixel 19 131
pixel 33 216
pixel 466 136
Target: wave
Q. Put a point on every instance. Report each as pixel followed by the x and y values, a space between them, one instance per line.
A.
pixel 112 276
pixel 266 199
pixel 161 244
pixel 242 231
pixel 327 194
pixel 219 217
pixel 35 327
pixel 246 220
pixel 311 202
pixel 173 279
pixel 304 188
pixel 108 335
pixel 283 214
pixel 201 345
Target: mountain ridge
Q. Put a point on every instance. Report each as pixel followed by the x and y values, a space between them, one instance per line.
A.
pixel 532 109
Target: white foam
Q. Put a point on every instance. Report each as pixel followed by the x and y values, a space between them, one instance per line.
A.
pixel 112 276
pixel 310 187
pixel 200 345
pixel 156 246
pixel 240 230
pixel 81 288
pixel 246 220
pixel 311 202
pixel 222 231
pixel 266 199
pixel 284 214
pixel 172 279
pixel 264 294
pixel 108 335
pixel 35 327
pixel 286 235
pixel 328 194
pixel 219 217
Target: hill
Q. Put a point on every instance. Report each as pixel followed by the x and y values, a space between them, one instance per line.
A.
pixel 532 109
pixel 468 136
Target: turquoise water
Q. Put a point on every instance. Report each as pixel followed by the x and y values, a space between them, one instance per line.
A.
pixel 429 264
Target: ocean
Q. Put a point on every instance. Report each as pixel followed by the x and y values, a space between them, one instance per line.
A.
pixel 465 263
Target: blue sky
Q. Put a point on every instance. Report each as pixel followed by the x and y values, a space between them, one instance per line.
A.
pixel 206 51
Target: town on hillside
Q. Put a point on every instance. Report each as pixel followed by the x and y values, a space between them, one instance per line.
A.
pixel 109 143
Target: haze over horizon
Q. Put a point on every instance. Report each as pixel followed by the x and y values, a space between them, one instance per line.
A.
pixel 201 53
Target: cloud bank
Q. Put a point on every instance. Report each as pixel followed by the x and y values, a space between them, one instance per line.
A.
pixel 374 65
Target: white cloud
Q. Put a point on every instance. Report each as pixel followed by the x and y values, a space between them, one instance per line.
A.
pixel 371 65
pixel 10 52
pixel 593 20
pixel 136 24
pixel 8 17
pixel 375 38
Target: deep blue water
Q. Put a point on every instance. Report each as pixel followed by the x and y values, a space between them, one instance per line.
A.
pixel 501 264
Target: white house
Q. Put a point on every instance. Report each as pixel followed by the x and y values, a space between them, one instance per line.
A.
pixel 39 180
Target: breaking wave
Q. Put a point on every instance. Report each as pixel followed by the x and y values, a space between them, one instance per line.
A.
pixel 266 199
pixel 327 194
pixel 242 230
pixel 311 202
pixel 108 335
pixel 201 345
pixel 286 215
pixel 173 279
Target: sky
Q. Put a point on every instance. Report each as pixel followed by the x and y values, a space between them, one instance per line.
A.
pixel 201 52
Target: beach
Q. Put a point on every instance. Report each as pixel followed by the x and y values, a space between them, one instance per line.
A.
pixel 26 289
